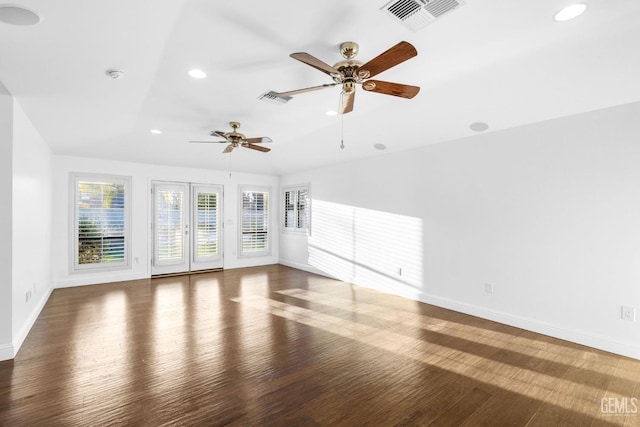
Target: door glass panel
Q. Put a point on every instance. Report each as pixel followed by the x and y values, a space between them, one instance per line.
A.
pixel 169 224
pixel 206 224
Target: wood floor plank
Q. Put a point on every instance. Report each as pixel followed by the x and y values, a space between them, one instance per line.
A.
pixel 278 346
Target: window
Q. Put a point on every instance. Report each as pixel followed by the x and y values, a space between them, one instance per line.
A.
pixel 101 217
pixel 255 221
pixel 296 208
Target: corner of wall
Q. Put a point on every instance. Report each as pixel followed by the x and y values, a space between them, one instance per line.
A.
pixel 6 352
pixel 304 267
pixel 19 338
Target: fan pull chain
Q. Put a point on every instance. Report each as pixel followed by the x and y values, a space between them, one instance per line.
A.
pixel 342 132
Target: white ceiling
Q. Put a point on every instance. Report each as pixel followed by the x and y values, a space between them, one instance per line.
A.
pixel 503 62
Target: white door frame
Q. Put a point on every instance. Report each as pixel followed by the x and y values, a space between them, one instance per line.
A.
pixel 183 257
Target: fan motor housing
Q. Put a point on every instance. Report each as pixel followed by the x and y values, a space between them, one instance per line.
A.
pixel 348 71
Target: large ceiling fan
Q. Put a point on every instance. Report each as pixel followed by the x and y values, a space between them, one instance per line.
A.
pixel 350 72
pixel 235 139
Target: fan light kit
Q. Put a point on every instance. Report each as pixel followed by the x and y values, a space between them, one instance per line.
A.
pixel 351 72
pixel 235 139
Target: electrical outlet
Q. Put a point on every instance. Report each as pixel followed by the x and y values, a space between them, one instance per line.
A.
pixel 488 288
pixel 628 313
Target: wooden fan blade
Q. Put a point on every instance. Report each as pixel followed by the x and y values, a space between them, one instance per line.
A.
pixel 388 88
pixel 211 142
pixel 258 147
pixel 219 133
pixel 346 101
pixel 307 89
pixel 228 149
pixel 257 140
pixel 390 58
pixel 314 62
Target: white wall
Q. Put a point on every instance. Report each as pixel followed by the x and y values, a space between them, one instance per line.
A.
pixel 6 213
pixel 549 214
pixel 142 175
pixel 32 173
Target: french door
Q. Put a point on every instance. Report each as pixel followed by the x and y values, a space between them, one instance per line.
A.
pixel 186 224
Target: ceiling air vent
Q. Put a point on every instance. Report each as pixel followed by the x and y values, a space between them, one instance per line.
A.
pixel 417 14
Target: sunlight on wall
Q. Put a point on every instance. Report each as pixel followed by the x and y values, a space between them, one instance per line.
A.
pixel 376 249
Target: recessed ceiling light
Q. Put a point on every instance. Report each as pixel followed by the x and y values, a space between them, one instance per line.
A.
pixel 570 12
pixel 331 113
pixel 379 146
pixel 15 15
pixel 197 74
pixel 478 126
pixel 155 131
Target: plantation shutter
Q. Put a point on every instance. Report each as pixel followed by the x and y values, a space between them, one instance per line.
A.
pixel 206 224
pixel 255 222
pixel 302 202
pixel 296 209
pixel 100 223
pixel 289 209
pixel 169 224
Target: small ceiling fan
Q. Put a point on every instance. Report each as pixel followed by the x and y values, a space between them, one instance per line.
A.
pixel 235 139
pixel 350 72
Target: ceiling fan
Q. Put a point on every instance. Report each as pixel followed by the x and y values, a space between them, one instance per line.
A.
pixel 350 72
pixel 235 139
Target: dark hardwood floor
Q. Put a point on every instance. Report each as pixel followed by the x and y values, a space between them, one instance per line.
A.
pixel 278 346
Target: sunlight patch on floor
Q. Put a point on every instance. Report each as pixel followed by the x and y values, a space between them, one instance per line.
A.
pixel 512 378
pixel 513 343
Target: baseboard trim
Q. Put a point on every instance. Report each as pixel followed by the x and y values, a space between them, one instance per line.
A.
pixel 186 273
pixel 26 327
pixel 6 352
pixel 304 267
pixel 533 325
pixel 97 280
pixel 544 328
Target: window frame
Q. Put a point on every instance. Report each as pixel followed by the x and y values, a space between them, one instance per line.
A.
pixel 75 179
pixel 256 189
pixel 298 230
